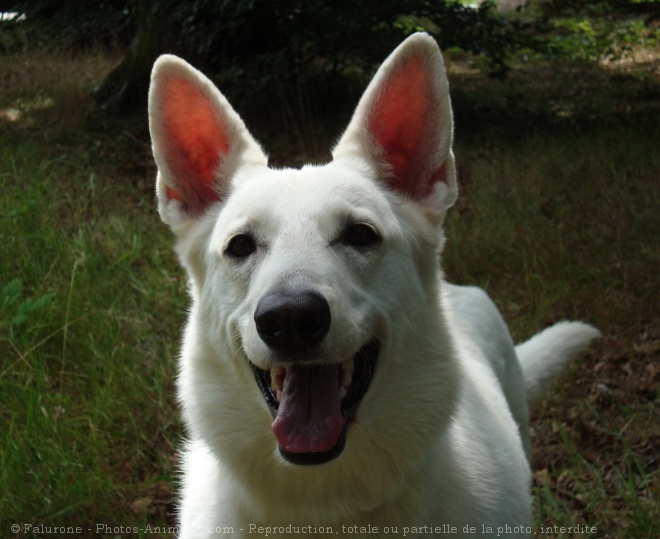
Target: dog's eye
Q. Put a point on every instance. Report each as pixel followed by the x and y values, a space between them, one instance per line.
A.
pixel 241 246
pixel 360 235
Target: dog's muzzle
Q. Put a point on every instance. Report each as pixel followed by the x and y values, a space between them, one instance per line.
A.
pixel 312 403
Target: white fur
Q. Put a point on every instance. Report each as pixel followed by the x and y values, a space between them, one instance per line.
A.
pixel 441 437
pixel 545 355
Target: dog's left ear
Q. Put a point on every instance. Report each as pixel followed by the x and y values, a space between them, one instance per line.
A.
pixel 403 125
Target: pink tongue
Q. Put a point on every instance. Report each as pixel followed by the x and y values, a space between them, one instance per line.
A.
pixel 309 416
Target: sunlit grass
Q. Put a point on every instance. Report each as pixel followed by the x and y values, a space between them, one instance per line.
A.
pixel 87 340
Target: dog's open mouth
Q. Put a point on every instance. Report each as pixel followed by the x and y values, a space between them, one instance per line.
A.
pixel 312 404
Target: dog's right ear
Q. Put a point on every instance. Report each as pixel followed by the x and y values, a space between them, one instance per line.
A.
pixel 198 141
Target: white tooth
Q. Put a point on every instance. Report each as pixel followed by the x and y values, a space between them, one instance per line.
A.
pixel 276 377
pixel 347 366
pixel 346 379
pixel 342 392
pixel 278 395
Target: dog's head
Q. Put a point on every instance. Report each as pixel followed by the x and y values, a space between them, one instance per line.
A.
pixel 315 333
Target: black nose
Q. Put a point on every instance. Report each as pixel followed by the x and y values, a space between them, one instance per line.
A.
pixel 292 320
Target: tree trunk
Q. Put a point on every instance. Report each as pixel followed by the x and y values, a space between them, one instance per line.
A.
pixel 126 87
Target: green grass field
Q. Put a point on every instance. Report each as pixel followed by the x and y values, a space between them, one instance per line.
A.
pixel 559 217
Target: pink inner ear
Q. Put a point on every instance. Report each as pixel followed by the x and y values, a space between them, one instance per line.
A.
pixel 194 139
pixel 399 121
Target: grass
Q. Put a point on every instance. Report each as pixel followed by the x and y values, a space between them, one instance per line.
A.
pixel 85 344
pixel 558 217
pixel 87 336
pixel 537 222
pixel 566 230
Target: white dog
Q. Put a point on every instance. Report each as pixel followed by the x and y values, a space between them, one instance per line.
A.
pixel 331 381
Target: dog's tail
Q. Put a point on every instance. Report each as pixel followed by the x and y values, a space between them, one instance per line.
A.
pixel 544 356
